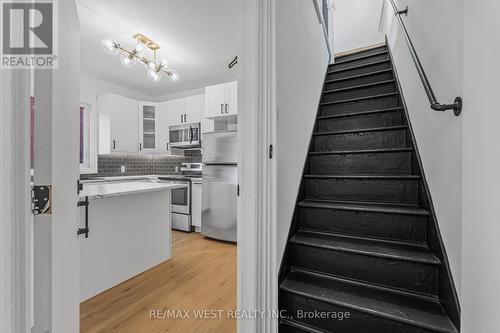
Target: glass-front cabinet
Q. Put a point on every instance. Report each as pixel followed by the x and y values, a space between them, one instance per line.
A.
pixel 148 126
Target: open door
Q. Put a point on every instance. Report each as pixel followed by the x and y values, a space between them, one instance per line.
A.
pixel 40 156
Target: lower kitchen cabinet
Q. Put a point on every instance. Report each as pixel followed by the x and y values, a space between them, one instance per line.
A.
pixel 196 205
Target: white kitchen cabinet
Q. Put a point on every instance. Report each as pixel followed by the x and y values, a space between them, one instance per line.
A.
pixel 221 100
pixel 232 98
pixel 118 124
pixel 195 113
pixel 193 108
pixel 169 114
pixel 148 126
pixel 196 204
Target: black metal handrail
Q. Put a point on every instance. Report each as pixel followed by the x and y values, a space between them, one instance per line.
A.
pixel 435 105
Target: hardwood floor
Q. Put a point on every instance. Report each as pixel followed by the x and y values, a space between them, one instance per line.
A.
pixel 200 276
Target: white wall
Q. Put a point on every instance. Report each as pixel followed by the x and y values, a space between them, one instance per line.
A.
pixel 481 162
pixel 90 87
pixel 438 43
pixel 302 59
pixel 356 24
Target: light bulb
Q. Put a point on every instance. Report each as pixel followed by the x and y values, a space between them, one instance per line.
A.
pixel 110 47
pixel 164 63
pixel 128 60
pixel 153 75
pixel 139 47
pixel 150 66
pixel 174 75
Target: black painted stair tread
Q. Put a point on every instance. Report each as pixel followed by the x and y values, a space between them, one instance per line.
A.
pixel 376 129
pixel 362 113
pixel 362 151
pixel 358 86
pixel 334 71
pixel 404 308
pixel 370 55
pixel 365 207
pixel 366 246
pixel 357 76
pixel 360 98
pixel 363 176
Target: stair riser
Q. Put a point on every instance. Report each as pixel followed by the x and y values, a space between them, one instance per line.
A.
pixel 360 54
pixel 382 119
pixel 368 190
pixel 332 75
pixel 358 322
pixel 360 92
pixel 359 81
pixel 371 163
pixel 364 140
pixel 397 227
pixel 410 276
pixel 384 102
pixel 351 63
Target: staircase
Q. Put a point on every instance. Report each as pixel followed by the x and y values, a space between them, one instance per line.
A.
pixel 364 240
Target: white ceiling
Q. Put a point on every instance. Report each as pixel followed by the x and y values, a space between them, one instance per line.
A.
pixel 198 37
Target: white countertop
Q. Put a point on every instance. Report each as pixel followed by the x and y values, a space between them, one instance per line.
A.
pixel 100 190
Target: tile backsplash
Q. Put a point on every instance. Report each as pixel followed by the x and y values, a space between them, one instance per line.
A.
pixel 137 165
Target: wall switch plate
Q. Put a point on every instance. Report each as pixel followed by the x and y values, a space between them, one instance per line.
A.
pixel 122 169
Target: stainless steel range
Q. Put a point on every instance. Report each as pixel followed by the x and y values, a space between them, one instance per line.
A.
pixel 181 198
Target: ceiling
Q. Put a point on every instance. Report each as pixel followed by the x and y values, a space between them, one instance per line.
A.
pixel 198 37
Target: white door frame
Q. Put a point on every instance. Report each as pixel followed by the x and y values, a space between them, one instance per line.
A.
pixel 257 227
pixel 15 204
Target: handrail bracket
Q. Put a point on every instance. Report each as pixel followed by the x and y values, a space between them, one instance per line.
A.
pixel 405 11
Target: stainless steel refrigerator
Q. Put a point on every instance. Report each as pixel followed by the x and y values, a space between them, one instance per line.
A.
pixel 220 177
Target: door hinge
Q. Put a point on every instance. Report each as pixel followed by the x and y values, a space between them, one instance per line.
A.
pixel 270 151
pixel 41 202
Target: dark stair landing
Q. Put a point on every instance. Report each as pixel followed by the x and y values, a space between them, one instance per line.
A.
pixel 363 240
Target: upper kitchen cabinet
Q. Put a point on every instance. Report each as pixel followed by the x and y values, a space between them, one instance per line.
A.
pixel 118 125
pixel 193 111
pixel 184 110
pixel 221 100
pixel 170 113
pixel 148 126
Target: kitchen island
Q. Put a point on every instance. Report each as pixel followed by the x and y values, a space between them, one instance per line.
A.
pixel 129 232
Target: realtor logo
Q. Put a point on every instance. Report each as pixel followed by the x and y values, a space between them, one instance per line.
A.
pixel 29 34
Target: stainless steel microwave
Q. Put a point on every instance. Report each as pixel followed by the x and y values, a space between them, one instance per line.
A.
pixel 185 135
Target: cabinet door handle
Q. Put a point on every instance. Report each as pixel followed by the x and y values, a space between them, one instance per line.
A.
pixel 140 146
pixel 168 146
pixel 227 107
pixel 114 144
pixel 222 109
pixel 181 118
pixel 185 117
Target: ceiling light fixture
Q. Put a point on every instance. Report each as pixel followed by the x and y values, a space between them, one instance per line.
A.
pixel 129 59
